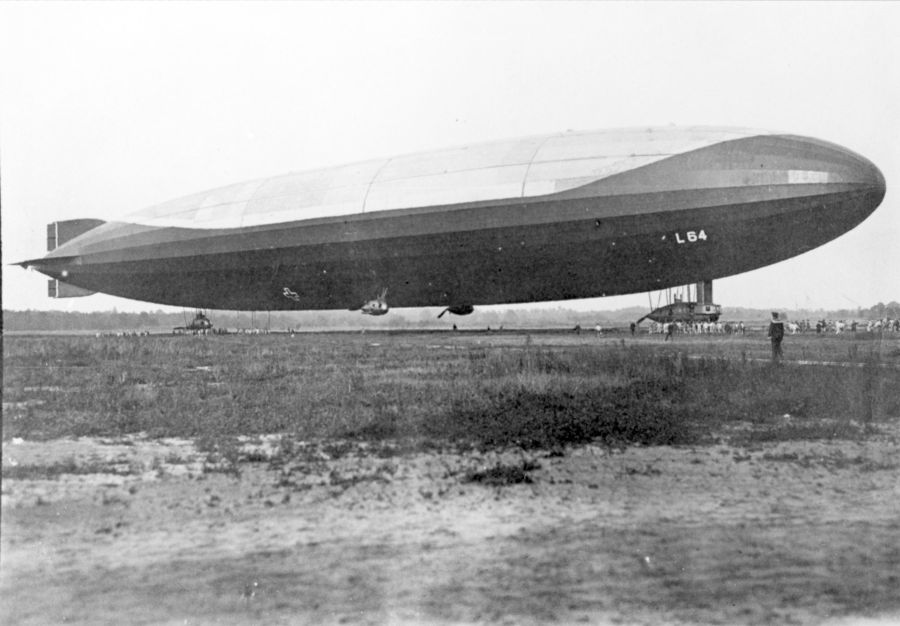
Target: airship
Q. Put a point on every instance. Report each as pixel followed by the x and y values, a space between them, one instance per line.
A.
pixel 551 217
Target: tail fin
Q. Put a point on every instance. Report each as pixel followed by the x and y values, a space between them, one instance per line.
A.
pixel 59 233
pixel 59 289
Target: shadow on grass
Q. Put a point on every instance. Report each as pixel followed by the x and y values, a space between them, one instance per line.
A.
pixel 501 475
pixel 636 414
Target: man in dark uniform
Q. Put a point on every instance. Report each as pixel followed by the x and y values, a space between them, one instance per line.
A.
pixel 776 334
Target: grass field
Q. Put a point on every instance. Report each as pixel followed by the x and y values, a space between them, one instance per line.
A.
pixel 482 390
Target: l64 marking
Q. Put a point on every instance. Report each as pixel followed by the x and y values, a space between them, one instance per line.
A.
pixel 691 236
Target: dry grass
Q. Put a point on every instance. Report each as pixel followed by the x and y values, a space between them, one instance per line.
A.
pixel 379 387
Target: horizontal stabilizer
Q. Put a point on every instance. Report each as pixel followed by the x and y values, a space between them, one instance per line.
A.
pixel 59 289
pixel 59 233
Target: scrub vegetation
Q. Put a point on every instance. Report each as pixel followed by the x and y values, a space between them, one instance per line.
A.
pixel 482 391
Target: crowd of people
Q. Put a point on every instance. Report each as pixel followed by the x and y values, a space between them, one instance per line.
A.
pixel 839 326
pixel 698 328
pixel 124 333
pixel 822 326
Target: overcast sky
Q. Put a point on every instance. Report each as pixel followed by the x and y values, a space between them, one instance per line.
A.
pixel 107 108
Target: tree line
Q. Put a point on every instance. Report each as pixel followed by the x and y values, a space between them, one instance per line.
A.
pixel 493 317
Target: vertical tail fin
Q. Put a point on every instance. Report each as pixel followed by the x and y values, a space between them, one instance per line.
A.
pixel 59 233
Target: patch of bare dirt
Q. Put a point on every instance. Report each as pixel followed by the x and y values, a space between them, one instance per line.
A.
pixel 340 532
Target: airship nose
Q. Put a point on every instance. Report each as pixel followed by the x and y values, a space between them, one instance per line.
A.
pixel 845 172
pixel 846 166
pixel 861 171
pixel 875 179
pixel 870 182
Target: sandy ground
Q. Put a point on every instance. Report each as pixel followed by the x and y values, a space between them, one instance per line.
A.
pixel 135 531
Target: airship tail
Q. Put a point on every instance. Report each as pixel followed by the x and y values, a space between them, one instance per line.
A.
pixel 59 233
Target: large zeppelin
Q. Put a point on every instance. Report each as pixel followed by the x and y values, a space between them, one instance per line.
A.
pixel 554 217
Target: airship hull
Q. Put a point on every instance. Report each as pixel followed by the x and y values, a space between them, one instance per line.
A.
pixel 724 208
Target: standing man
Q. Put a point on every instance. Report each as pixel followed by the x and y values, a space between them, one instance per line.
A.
pixel 776 334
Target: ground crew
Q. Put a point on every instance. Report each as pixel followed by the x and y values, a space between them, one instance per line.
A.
pixel 776 334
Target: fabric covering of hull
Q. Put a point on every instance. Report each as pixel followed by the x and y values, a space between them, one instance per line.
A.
pixel 642 221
